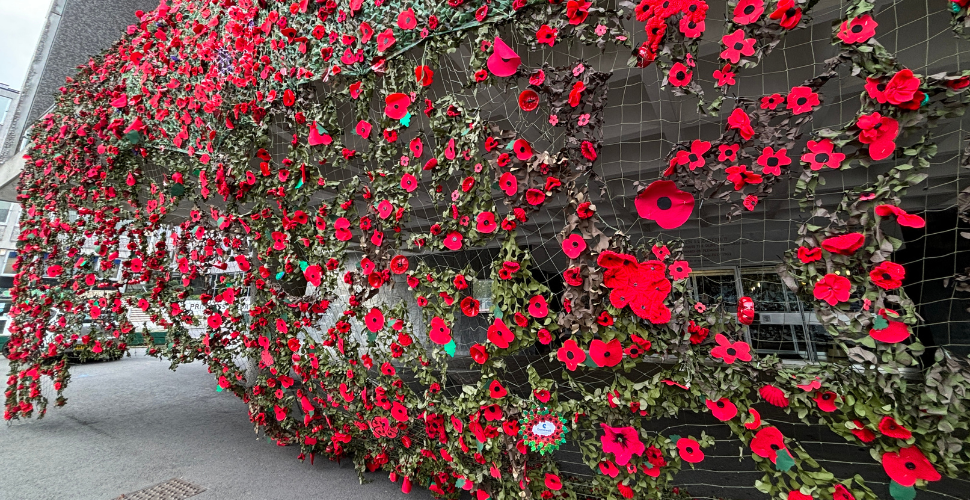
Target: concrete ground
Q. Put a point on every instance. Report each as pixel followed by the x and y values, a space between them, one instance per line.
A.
pixel 132 423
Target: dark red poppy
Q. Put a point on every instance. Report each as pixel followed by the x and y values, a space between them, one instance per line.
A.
pixel 496 391
pixel 528 100
pixel 846 244
pixel 826 401
pixel 662 202
pixel 809 255
pixel 576 11
pixel 802 100
pixel 767 442
pixel 571 354
pixel 690 450
pixel 909 465
pixel 588 149
pixel 504 61
pixel 289 98
pixel 722 409
pixel 606 354
pixel 424 75
pixel 888 275
pixel 889 427
pixel 858 29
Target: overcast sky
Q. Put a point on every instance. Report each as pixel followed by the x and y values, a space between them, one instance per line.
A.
pixel 20 24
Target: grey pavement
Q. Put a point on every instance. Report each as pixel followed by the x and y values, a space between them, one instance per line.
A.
pixel 132 423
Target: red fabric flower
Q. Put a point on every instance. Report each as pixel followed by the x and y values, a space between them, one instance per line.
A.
pixel 571 354
pixel 478 353
pixel 690 450
pixel 833 289
pixel 546 35
pixel 841 493
pixel 508 183
pixel 440 333
pixel 573 245
pixel 576 11
pixel 606 354
pixel 901 87
pixel 469 306
pixel 722 409
pixel 892 332
pixel 424 75
pixel 396 105
pixel 802 100
pixel 879 132
pixel 739 121
pixel 553 482
pixel 453 240
pixel 728 351
pixel 740 176
pixel 788 14
pixel 728 152
pixel 809 255
pixel 771 161
pixel 771 101
pixel 826 401
pixel 773 396
pixel 538 307
pixel 748 11
pixel 504 61
pixel 662 202
pixel 909 465
pixel 888 275
pixel 409 182
pixel 902 217
pixel 736 45
pixel 679 75
pixel 889 427
pixel 858 29
pixel 528 100
pixel 485 222
pixel 500 334
pixel 694 158
pixel 860 431
pixel 846 244
pixel 691 28
pixel 767 442
pixel 622 442
pixel 496 390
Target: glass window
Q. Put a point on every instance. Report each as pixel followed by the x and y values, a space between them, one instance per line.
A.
pixel 4 211
pixel 8 264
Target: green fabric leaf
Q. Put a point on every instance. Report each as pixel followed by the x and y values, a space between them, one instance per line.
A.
pixel 783 460
pixel 177 190
pixel 406 120
pixel 303 265
pixel 450 348
pixel 590 363
pixel 280 274
pixel 880 323
pixel 900 492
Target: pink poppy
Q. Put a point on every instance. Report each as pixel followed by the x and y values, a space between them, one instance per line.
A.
pixel 573 245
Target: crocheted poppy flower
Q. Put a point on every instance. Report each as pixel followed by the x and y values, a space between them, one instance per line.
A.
pixel 374 320
pixel 534 197
pixel 858 29
pixel 508 183
pixel 722 409
pixel 846 244
pixel 909 465
pixel 409 182
pixel 690 450
pixel 662 202
pixel 528 100
pixel 576 11
pixel 771 161
pixel 809 255
pixel 888 275
pixel 608 468
pixel 739 120
pixel 860 431
pixel 888 330
pixel 901 87
pixel 788 14
pixel 342 228
pixel 496 390
pixel 826 401
pixel 833 289
pixel 679 75
pixel 538 307
pixel 736 45
pixel 801 100
pixel 755 419
pixel 573 245
pixel 771 101
pixel 679 270
pixel 773 396
pixel 440 333
pixel 571 354
pixel 691 28
pixel 841 493
pixel 606 354
pixel 767 442
pixel 622 442
pixel 729 351
pixel 748 11
pixel 546 35
pixel 588 150
pixel 485 222
pixel 822 154
pixel 903 218
pixel 889 427
pixel 500 334
pixel 504 61
pixel 573 276
pixel 453 240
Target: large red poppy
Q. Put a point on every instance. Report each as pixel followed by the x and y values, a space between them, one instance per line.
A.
pixel 767 442
pixel 538 307
pixel 858 29
pixel 504 61
pixel 909 465
pixel 500 334
pixel 890 331
pixel 888 275
pixel 722 409
pixel 748 11
pixel 662 202
pixel 573 245
pixel 396 105
pixel 846 244
pixel 440 333
pixel 470 306
pixel 729 351
pixel 375 320
pixel 690 450
pixel 485 222
pixel 528 100
pixel 833 289
pixel 901 87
